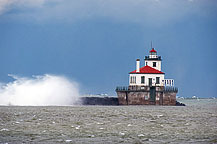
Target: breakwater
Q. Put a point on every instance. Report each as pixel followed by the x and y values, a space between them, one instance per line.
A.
pixel 107 101
pixel 99 101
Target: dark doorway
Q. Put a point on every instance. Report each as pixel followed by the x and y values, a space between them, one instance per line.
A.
pixel 152 94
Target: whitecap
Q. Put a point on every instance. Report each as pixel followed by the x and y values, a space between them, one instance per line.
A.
pixel 100 123
pixel 141 135
pixel 68 140
pixel 149 139
pixel 158 116
pixel 92 136
pixel 4 129
pixel 121 133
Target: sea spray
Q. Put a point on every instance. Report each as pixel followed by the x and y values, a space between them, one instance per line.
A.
pixel 39 91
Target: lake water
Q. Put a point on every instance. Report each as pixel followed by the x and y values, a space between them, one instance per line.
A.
pixel 194 123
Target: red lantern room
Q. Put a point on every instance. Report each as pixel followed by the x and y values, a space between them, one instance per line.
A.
pixel 153 52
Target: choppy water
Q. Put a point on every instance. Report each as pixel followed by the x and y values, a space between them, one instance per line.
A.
pixel 195 123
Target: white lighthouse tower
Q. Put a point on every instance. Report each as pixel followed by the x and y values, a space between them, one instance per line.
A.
pixel 153 60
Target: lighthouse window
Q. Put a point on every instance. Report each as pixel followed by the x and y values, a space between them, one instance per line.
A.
pixel 154 64
pixel 133 79
pixel 142 79
pixel 157 80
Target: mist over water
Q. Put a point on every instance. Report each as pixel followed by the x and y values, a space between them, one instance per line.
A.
pixel 39 91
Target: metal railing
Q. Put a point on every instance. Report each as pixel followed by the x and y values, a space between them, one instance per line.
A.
pixel 126 88
pixel 169 82
pixel 122 88
pixel 170 89
pixel 157 58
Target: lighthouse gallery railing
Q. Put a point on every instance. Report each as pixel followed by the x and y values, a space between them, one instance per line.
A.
pixel 126 88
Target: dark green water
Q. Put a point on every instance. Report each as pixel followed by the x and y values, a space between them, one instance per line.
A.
pixel 195 123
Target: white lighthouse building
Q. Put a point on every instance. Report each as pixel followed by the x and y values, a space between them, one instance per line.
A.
pixel 147 84
pixel 150 74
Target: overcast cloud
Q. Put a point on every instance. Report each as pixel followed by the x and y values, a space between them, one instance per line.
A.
pixel 139 11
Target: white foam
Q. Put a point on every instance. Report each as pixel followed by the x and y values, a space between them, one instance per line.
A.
pixel 121 133
pixel 4 129
pixel 158 116
pixel 141 135
pixel 39 90
pixel 99 123
pixel 129 125
pixel 77 127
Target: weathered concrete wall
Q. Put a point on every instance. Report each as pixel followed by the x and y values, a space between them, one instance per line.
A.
pixel 122 98
pixel 118 101
pixel 133 98
pixel 169 98
pixel 137 96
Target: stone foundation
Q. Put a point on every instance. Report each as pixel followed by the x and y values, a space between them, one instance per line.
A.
pixel 136 95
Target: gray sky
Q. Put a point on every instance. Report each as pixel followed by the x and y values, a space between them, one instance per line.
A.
pixel 97 42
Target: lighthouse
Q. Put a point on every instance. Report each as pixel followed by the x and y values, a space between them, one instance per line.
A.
pixel 147 84
pixel 153 60
pixel 150 74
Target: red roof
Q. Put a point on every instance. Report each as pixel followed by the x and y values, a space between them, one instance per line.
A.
pixel 147 70
pixel 153 50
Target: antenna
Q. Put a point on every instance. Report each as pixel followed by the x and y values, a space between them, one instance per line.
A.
pixel 151 44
